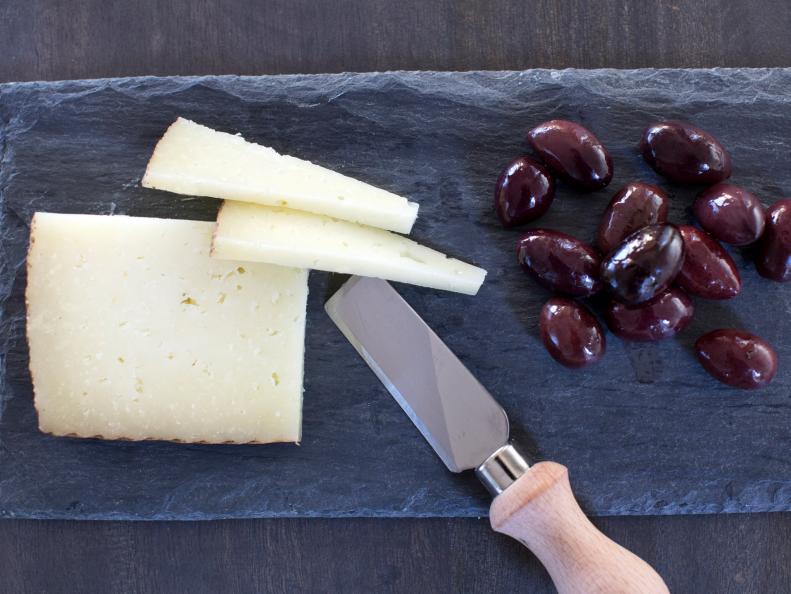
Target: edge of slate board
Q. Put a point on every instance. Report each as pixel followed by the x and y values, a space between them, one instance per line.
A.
pixel 448 495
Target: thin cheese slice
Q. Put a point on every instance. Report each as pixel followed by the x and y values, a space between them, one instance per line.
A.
pixel 198 161
pixel 294 238
pixel 135 333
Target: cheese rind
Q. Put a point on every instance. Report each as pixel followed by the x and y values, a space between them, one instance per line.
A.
pixel 135 333
pixel 293 238
pixel 198 161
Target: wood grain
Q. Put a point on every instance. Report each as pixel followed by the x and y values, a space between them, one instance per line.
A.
pixel 731 554
pixel 49 39
pixel 540 511
pixel 54 39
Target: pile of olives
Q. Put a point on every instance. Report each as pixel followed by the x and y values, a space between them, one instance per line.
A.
pixel 648 266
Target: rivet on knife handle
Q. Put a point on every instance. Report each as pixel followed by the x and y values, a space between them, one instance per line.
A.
pixel 469 430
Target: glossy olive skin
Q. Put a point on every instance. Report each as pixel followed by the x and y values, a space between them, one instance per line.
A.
pixel 573 153
pixel 708 270
pixel 685 154
pixel 731 214
pixel 524 191
pixel 570 333
pixel 737 358
pixel 634 206
pixel 774 257
pixel 664 316
pixel 644 264
pixel 560 262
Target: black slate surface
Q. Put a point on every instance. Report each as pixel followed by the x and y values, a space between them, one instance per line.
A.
pixel 644 432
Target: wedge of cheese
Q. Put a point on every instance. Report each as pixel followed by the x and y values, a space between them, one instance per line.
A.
pixel 198 161
pixel 294 238
pixel 135 333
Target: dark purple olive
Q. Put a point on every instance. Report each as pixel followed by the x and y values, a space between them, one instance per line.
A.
pixel 737 358
pixel 573 153
pixel 730 214
pixel 560 262
pixel 524 192
pixel 634 206
pixel 685 154
pixel 774 258
pixel 644 264
pixel 664 316
pixel 570 333
pixel 708 271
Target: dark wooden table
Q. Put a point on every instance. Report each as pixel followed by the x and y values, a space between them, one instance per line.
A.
pixel 53 39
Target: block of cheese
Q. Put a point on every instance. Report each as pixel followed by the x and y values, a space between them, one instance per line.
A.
pixel 135 333
pixel 196 160
pixel 294 238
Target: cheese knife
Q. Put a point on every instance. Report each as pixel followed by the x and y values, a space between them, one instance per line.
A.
pixel 468 429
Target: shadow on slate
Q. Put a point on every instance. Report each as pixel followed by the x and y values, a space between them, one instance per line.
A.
pixel 644 432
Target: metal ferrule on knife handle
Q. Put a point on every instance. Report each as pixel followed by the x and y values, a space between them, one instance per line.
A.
pixel 532 503
pixel 501 469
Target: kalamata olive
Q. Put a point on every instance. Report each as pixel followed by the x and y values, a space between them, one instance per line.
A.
pixel 774 258
pixel 572 152
pixel 634 206
pixel 664 316
pixel 570 333
pixel 523 192
pixel 560 262
pixel 737 358
pixel 644 264
pixel 685 154
pixel 708 271
pixel 730 213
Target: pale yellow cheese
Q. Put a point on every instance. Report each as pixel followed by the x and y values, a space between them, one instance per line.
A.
pixel 198 161
pixel 294 238
pixel 135 333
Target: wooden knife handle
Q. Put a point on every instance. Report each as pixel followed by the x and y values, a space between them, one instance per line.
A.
pixel 540 511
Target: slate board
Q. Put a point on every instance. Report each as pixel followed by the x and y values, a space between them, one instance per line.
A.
pixel 644 432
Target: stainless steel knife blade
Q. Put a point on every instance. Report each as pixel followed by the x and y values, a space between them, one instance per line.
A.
pixel 453 411
pixel 468 429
